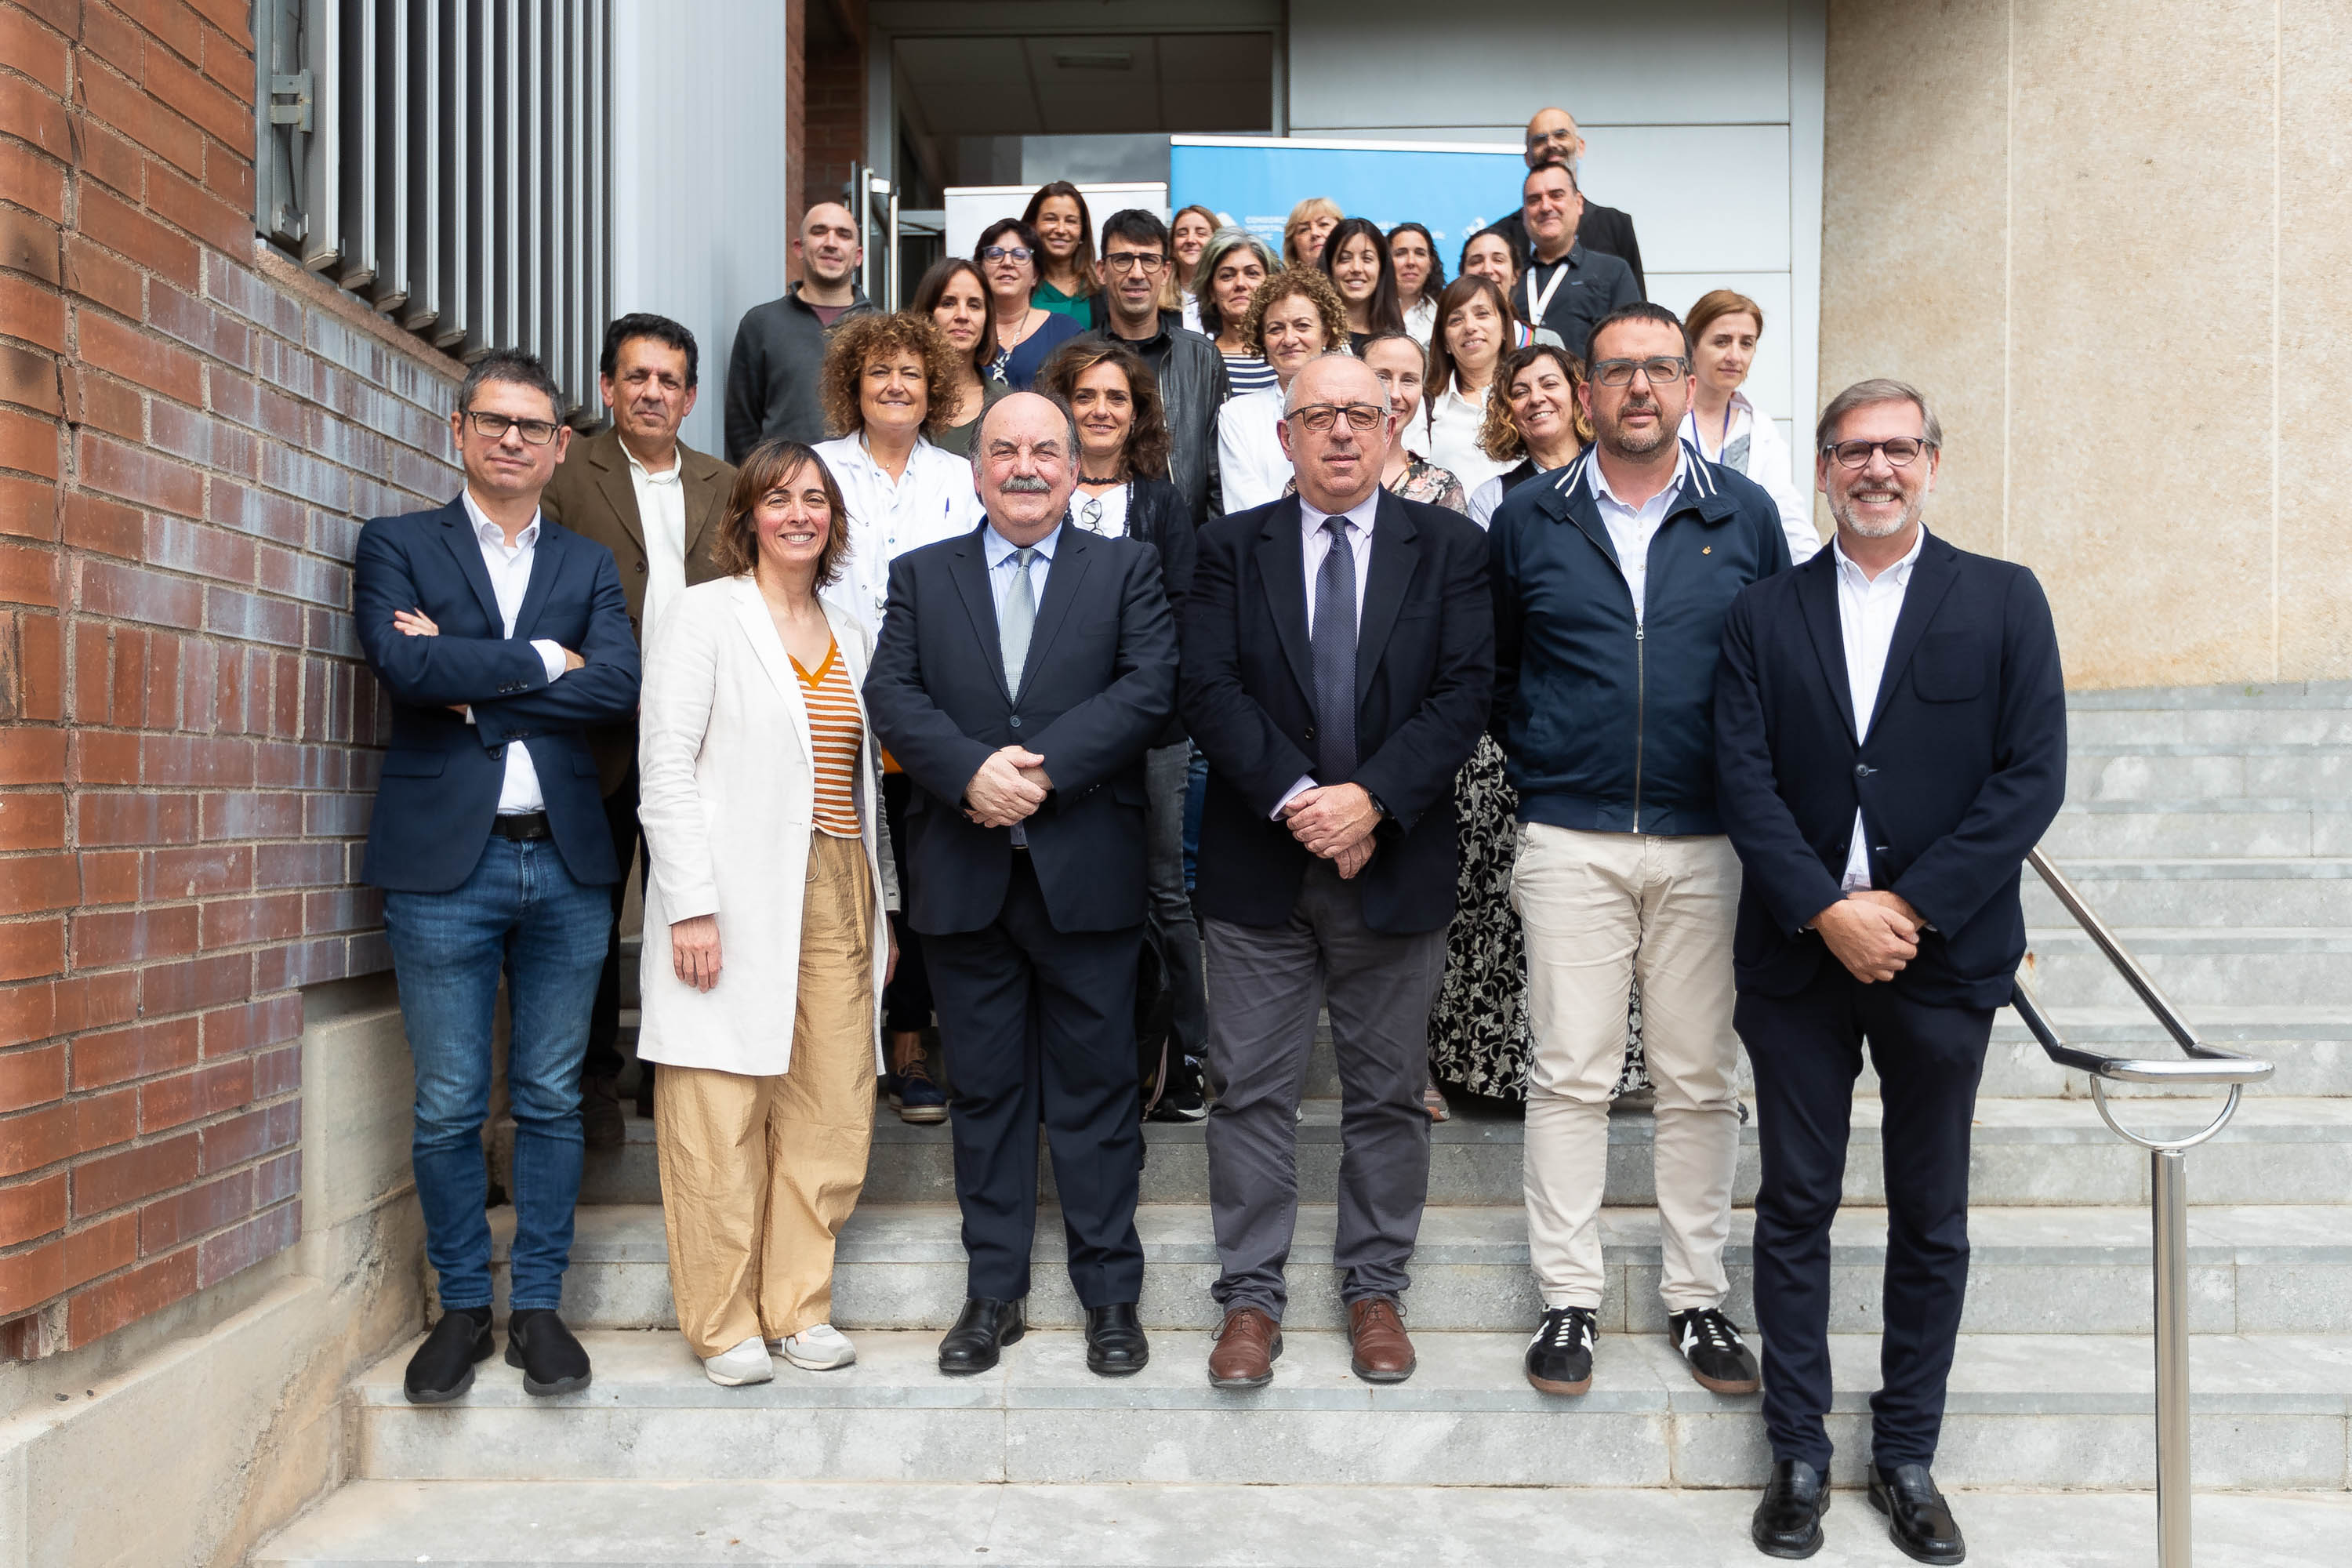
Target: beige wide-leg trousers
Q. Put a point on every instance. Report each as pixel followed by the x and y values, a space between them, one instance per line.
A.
pixel 758 1173
pixel 1597 909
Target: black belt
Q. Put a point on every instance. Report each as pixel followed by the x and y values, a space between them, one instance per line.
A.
pixel 522 825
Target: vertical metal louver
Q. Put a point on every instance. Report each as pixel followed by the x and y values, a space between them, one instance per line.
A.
pixel 447 161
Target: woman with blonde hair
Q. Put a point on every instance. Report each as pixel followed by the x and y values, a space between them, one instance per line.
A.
pixel 1295 315
pixel 1310 222
pixel 768 945
pixel 1723 329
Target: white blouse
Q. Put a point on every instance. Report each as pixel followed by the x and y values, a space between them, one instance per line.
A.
pixel 1453 424
pixel 931 500
pixel 1769 464
pixel 1252 467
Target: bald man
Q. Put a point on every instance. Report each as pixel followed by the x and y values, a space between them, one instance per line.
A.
pixel 1552 137
pixel 771 373
pixel 1338 656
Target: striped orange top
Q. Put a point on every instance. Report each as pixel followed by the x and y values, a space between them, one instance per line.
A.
pixel 835 736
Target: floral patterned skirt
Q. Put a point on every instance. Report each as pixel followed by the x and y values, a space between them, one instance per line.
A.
pixel 1479 1037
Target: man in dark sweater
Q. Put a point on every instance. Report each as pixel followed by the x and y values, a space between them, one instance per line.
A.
pixel 771 375
pixel 1553 135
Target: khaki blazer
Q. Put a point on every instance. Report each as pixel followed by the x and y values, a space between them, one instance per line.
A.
pixel 592 496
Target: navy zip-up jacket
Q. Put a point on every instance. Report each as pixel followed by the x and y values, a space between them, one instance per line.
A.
pixel 1607 722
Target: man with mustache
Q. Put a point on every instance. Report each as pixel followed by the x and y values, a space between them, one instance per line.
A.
pixel 1891 743
pixel 1024 669
pixel 1611 580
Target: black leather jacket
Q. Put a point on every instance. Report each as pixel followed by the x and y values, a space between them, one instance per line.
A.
pixel 1193 388
pixel 1156 514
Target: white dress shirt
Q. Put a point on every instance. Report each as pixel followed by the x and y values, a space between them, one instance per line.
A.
pixel 509 570
pixel 931 499
pixel 1868 608
pixel 1768 463
pixel 1453 422
pixel 1631 528
pixel 1317 543
pixel 661 514
pixel 1421 321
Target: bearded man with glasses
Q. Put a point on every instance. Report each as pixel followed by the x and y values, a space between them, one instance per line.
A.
pixel 503 641
pixel 1338 658
pixel 1611 580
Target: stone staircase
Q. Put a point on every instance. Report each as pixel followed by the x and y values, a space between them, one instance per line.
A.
pixel 2211 829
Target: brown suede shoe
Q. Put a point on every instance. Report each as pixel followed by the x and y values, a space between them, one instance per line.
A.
pixel 1376 1334
pixel 1247 1349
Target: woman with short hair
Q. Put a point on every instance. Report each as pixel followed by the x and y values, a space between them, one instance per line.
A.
pixel 1420 277
pixel 954 296
pixel 1066 285
pixel 767 944
pixel 1723 329
pixel 1310 222
pixel 1295 315
pixel 1402 366
pixel 1231 266
pixel 1009 256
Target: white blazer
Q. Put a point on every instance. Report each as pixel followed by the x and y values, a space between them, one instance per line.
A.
pixel 726 794
pixel 1252 468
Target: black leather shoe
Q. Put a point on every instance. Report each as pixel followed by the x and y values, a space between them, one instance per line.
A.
pixel 443 1367
pixel 1787 1521
pixel 1918 1519
pixel 552 1362
pixel 1115 1343
pixel 984 1327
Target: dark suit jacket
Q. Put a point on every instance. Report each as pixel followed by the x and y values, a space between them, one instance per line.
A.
pixel 592 495
pixel 1964 766
pixel 1425 672
pixel 442 776
pixel 1099 682
pixel 1605 230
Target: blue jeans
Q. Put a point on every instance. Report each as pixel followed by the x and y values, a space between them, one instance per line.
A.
pixel 520 914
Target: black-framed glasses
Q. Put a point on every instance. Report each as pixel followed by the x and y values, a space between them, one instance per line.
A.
pixel 1320 418
pixel 1620 372
pixel 494 427
pixel 1006 253
pixel 1901 452
pixel 1130 260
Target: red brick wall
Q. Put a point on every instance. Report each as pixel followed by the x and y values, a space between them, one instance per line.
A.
pixel 834 134
pixel 189 429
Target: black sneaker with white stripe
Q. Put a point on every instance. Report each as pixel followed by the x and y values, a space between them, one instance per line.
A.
pixel 1559 1358
pixel 1719 1359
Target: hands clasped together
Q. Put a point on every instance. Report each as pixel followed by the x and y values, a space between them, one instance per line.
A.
pixel 1011 785
pixel 1335 821
pixel 1873 933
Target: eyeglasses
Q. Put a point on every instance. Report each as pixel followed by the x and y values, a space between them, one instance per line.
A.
pixel 494 427
pixel 1090 514
pixel 1005 253
pixel 1620 372
pixel 1130 261
pixel 1901 452
pixel 1320 418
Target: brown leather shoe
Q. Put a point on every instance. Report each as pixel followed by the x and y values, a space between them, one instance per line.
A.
pixel 1247 1349
pixel 1376 1334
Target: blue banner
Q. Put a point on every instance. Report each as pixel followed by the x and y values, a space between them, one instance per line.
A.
pixel 1453 188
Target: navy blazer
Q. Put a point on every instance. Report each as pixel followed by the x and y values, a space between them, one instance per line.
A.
pixel 1963 770
pixel 441 775
pixel 1099 684
pixel 1424 673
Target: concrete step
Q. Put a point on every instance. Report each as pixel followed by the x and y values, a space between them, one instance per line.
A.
pixel 2025 1410
pixel 2309 891
pixel 2038 1150
pixel 2196 828
pixel 2138 770
pixel 2259 1269
pixel 2280 966
pixel 558 1524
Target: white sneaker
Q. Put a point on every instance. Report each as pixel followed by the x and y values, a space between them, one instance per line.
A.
pixel 822 1347
pixel 747 1362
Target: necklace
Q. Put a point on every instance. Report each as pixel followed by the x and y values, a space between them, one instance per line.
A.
pixel 1090 479
pixel 1025 330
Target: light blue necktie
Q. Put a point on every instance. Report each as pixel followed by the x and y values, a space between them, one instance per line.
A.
pixel 1019 619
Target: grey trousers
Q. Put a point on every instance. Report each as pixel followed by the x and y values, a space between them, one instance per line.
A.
pixel 1265 984
pixel 1168 906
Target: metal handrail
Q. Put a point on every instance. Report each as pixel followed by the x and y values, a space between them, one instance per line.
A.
pixel 2168 1188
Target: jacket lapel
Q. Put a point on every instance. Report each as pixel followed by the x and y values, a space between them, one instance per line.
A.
pixel 751 614
pixel 1817 596
pixel 1396 556
pixel 457 526
pixel 1072 556
pixel 968 565
pixel 547 562
pixel 1932 576
pixel 613 483
pixel 1282 570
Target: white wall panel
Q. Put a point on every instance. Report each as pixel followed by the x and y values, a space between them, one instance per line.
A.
pixel 701 201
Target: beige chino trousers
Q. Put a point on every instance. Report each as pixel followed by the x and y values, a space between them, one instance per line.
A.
pixel 759 1174
pixel 1598 907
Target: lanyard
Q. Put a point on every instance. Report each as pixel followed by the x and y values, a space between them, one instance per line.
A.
pixel 1722 441
pixel 1538 305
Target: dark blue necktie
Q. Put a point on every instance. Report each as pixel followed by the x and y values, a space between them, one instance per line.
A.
pixel 1334 642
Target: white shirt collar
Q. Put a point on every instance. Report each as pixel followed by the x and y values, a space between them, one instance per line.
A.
pixel 1599 481
pixel 489 532
pixel 1360 516
pixel 668 476
pixel 1898 574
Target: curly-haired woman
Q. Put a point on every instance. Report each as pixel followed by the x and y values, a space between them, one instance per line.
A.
pixel 1295 315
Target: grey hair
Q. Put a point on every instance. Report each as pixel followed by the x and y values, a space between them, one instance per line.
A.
pixel 980 436
pixel 1290 393
pixel 1222 244
pixel 1878 389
